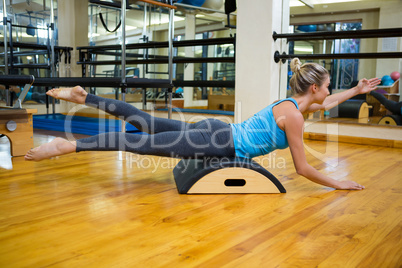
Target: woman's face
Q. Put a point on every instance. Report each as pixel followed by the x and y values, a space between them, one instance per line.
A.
pixel 323 90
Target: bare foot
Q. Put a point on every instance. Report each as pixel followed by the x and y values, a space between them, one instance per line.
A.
pixel 72 94
pixel 56 147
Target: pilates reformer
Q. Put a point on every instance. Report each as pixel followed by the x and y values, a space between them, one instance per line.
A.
pixel 16 122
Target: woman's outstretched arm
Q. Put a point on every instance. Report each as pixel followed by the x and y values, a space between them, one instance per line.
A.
pixel 294 132
pixel 364 86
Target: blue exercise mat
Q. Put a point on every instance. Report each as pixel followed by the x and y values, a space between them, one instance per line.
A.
pixel 199 111
pixel 80 124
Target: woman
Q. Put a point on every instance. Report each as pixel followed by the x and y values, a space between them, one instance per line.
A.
pixel 34 96
pixel 392 106
pixel 276 127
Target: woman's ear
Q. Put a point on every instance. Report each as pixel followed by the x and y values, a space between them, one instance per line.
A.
pixel 313 88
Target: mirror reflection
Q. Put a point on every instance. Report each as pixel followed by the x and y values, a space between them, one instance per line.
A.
pixel 382 106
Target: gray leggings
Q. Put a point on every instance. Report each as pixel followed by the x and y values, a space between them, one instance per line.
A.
pixel 172 138
pixel 392 106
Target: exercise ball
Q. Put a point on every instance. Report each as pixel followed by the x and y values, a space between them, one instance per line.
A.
pixel 395 75
pixel 386 80
pixel 312 28
pixel 307 28
pixel 213 4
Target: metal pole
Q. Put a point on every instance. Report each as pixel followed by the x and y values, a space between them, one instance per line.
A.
pixel 370 55
pixel 144 26
pixel 170 55
pixel 145 39
pixel 5 36
pixel 5 23
pixel 123 56
pixel 52 61
pixel 371 33
pixel 338 70
pixel 52 38
pixel 91 38
pixel 123 43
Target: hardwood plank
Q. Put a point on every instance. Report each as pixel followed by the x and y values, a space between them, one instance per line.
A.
pixel 359 248
pixel 384 255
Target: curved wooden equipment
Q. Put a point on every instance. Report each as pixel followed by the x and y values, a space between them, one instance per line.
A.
pixel 352 109
pixel 224 176
pixel 391 120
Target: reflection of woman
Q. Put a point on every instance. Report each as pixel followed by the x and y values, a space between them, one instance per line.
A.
pixel 392 106
pixel 277 126
pixel 11 88
pixel 34 96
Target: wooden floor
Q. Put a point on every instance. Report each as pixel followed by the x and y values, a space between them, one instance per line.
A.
pixel 116 209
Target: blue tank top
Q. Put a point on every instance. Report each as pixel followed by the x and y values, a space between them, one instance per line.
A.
pixel 259 135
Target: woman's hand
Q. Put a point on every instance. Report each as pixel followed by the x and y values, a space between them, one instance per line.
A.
pixel 366 86
pixel 349 185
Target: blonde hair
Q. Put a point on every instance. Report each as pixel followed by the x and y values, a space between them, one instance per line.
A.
pixel 305 75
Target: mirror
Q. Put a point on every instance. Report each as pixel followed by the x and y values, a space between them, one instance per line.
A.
pixel 345 73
